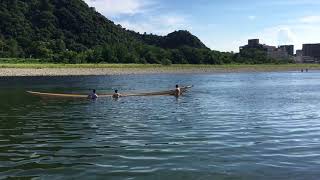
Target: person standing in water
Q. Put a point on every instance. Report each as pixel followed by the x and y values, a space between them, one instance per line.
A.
pixel 177 91
pixel 93 95
pixel 116 94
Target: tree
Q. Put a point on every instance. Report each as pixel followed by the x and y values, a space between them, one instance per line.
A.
pixel 151 58
pixel 178 57
pixel 46 19
pixel 94 56
pixel 254 55
pixel 59 45
pixel 120 53
pixel 13 49
pixel 45 5
pixel 166 62
pixel 131 58
pixel 192 55
pixel 2 44
pixel 71 57
pixel 40 50
pixel 107 53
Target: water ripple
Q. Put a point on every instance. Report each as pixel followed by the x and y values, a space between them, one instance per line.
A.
pixel 235 126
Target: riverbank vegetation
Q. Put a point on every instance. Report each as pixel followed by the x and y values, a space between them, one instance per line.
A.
pixel 38 64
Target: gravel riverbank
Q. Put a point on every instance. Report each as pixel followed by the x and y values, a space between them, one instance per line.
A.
pixel 124 71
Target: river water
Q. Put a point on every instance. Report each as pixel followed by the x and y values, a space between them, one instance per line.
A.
pixel 229 126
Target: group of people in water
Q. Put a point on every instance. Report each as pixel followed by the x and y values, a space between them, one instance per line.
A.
pixel 116 95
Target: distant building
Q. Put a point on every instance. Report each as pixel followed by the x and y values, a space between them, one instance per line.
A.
pixel 277 53
pixel 309 59
pixel 282 52
pixel 311 50
pixel 299 52
pixel 300 58
pixel 269 48
pixel 288 48
pixel 253 42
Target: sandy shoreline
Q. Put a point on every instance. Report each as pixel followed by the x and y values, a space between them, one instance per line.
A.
pixel 5 72
pixel 99 71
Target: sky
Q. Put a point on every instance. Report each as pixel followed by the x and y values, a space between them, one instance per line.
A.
pixel 222 25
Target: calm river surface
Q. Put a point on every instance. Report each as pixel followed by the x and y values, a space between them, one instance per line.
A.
pixel 229 126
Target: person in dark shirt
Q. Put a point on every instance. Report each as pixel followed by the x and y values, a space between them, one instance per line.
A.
pixel 93 95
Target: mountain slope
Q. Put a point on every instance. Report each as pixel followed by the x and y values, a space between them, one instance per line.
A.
pixel 74 23
pixel 173 40
pixel 71 21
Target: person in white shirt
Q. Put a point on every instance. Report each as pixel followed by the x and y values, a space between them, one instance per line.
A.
pixel 177 91
pixel 116 94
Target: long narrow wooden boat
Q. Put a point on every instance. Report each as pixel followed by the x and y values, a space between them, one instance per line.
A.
pixel 161 93
pixel 63 95
pixel 57 95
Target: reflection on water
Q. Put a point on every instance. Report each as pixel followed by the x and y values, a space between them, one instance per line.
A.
pixel 233 126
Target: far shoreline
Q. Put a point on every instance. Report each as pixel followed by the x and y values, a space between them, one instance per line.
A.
pixel 13 70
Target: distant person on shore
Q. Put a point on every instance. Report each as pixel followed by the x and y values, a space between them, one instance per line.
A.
pixel 177 91
pixel 302 70
pixel 307 70
pixel 116 94
pixel 93 95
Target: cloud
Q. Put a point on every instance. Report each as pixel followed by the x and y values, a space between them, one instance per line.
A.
pixel 285 35
pixel 296 34
pixel 111 8
pixel 160 25
pixel 225 45
pixel 252 18
pixel 140 15
pixel 249 6
pixel 310 19
pixel 278 35
pixel 294 2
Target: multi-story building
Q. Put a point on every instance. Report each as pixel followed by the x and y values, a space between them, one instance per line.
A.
pixel 253 42
pixel 300 58
pixel 311 50
pixel 288 48
pixel 282 52
pixel 299 52
pixel 278 54
pixel 310 53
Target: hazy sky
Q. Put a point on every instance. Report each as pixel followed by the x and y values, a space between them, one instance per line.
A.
pixel 221 24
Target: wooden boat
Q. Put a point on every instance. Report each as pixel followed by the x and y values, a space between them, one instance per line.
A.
pixel 57 95
pixel 63 95
pixel 161 93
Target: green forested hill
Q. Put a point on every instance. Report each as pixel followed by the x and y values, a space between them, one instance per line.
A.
pixel 69 31
pixel 59 23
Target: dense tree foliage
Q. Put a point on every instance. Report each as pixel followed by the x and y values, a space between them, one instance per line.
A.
pixel 68 31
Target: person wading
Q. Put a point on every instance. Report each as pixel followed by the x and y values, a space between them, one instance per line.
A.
pixel 177 91
pixel 116 94
pixel 93 95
